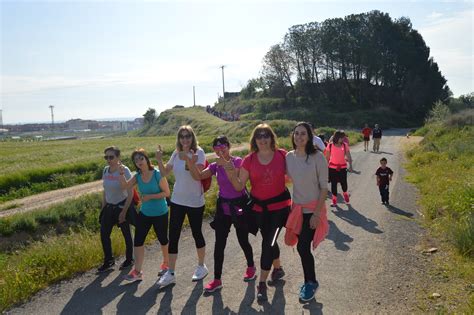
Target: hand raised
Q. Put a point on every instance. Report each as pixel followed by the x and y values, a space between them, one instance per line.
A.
pixel 159 153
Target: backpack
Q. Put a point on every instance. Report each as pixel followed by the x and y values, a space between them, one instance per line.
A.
pixel 206 183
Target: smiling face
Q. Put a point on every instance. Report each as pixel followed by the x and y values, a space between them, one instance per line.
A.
pixel 222 151
pixel 140 161
pixel 300 137
pixel 185 139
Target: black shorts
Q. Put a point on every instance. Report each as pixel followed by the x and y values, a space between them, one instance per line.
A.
pixel 366 138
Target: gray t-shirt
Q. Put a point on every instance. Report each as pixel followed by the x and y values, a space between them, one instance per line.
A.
pixel 111 182
pixel 308 176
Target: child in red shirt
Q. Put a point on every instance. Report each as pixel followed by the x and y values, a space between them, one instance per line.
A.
pixel 384 177
pixel 366 132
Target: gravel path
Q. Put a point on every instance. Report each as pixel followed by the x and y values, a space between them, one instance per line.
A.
pixel 369 263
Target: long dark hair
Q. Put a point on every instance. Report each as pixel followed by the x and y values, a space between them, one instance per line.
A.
pixel 309 147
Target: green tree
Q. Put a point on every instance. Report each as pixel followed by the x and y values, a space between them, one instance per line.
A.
pixel 150 116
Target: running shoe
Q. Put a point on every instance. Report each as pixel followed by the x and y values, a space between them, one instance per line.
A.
pixel 163 269
pixel 262 292
pixel 200 273
pixel 250 274
pixel 334 201
pixel 127 263
pixel 213 285
pixel 166 280
pixel 277 273
pixel 308 290
pixel 346 197
pixel 134 275
pixel 107 265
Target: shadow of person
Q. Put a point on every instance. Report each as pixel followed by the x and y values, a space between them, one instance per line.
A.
pixel 338 237
pixel 314 307
pixel 131 304
pixel 277 306
pixel 92 298
pixel 190 306
pixel 353 217
pixel 246 304
pixel 399 211
pixel 383 152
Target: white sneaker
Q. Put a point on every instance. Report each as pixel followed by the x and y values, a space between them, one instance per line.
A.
pixel 200 273
pixel 166 280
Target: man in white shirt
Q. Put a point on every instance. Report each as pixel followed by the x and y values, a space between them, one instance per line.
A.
pixel 318 143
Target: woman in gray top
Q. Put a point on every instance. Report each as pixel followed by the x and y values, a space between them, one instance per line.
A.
pixel 308 170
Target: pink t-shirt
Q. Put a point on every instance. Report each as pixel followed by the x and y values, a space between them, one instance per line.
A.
pixel 267 181
pixel 338 156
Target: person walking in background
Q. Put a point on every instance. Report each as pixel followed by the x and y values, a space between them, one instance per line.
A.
pixel 265 167
pixel 307 223
pixel 338 155
pixel 366 132
pixel 318 143
pixel 229 211
pixel 187 199
pixel 377 136
pixel 117 208
pixel 153 190
pixel 384 177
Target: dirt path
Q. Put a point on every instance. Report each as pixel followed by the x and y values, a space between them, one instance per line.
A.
pixel 369 263
pixel 47 199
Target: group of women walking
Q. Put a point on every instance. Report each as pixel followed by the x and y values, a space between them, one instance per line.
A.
pixel 267 207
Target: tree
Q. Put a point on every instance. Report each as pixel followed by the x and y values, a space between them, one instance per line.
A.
pixel 150 116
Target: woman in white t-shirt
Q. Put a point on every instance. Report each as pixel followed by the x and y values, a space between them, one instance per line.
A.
pixel 187 199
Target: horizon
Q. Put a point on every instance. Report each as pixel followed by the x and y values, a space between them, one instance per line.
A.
pixel 111 59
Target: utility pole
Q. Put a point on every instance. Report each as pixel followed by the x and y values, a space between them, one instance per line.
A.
pixel 1 119
pixel 52 117
pixel 194 95
pixel 223 87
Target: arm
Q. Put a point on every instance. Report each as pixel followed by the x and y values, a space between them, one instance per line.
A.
pixel 165 191
pixel 127 204
pixel 322 171
pixel 124 183
pixel 349 159
pixel 378 179
pixel 103 200
pixel 165 170
pixel 238 177
pixel 197 174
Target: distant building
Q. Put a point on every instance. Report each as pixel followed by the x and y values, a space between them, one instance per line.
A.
pixel 79 124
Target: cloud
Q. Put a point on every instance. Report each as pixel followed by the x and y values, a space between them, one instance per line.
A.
pixel 435 15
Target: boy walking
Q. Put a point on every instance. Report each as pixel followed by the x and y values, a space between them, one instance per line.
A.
pixel 384 177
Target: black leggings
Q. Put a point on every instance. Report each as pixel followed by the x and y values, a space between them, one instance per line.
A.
pixel 108 218
pixel 268 224
pixel 178 212
pixel 222 229
pixel 336 176
pixel 144 223
pixel 304 249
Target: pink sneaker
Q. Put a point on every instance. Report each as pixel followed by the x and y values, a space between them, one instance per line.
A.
pixel 334 201
pixel 250 274
pixel 213 285
pixel 163 269
pixel 134 275
pixel 346 197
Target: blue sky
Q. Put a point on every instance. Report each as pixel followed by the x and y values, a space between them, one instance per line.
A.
pixel 94 59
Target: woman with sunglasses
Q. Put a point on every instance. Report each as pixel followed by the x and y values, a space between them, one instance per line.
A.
pixel 116 204
pixel 307 223
pixel 187 199
pixel 265 168
pixel 229 210
pixel 153 190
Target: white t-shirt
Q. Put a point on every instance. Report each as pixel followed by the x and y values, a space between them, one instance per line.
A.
pixel 186 190
pixel 317 142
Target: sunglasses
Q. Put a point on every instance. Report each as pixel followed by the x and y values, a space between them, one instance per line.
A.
pixel 109 157
pixel 262 135
pixel 220 147
pixel 186 136
pixel 139 158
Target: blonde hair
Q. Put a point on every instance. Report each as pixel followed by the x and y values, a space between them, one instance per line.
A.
pixel 189 129
pixel 262 128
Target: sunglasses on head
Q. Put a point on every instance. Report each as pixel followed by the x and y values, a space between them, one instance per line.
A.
pixel 220 147
pixel 109 157
pixel 186 136
pixel 138 158
pixel 262 135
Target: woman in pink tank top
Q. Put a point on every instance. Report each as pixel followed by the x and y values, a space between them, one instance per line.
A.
pixel 338 155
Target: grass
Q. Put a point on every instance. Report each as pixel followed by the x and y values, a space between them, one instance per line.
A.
pixel 442 168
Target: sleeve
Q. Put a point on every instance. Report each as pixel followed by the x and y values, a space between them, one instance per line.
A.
pixel 104 171
pixel 213 168
pixel 390 171
pixel 201 156
pixel 158 176
pixel 377 173
pixel 322 170
pixel 127 173
pixel 173 156
pixel 246 162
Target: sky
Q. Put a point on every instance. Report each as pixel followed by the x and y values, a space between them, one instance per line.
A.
pixel 116 59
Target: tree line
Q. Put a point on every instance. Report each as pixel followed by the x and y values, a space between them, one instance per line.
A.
pixel 359 62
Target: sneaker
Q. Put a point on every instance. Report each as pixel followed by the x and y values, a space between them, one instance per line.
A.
pixel 127 263
pixel 250 274
pixel 107 265
pixel 213 285
pixel 387 203
pixel 334 201
pixel 262 292
pixel 277 273
pixel 163 269
pixel 308 290
pixel 166 280
pixel 383 202
pixel 134 275
pixel 346 197
pixel 200 273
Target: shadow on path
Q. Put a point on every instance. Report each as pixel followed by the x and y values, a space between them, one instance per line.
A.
pixel 399 211
pixel 338 237
pixel 353 217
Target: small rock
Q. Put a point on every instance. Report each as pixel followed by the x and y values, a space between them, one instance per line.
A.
pixel 436 295
pixel 431 250
pixel 378 303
